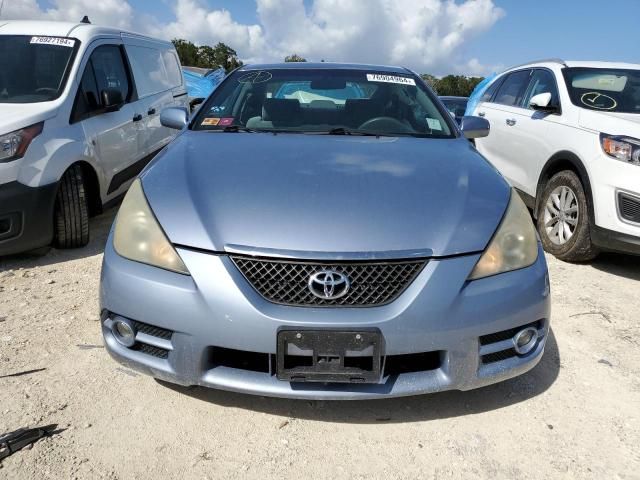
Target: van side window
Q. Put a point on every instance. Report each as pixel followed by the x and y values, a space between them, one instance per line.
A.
pixel 174 72
pixel 109 69
pixel 512 89
pixel 87 98
pixel 148 70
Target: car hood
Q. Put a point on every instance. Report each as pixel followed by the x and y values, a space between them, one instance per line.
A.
pixel 613 123
pixel 315 194
pixel 14 116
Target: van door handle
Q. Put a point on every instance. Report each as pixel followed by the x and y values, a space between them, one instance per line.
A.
pixel 152 111
pixel 481 114
pixel 511 122
pixel 137 117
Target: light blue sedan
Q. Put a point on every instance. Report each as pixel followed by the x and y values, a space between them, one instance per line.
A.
pixel 324 231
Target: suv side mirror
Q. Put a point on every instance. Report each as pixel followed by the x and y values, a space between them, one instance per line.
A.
pixel 474 127
pixel 112 99
pixel 174 117
pixel 542 102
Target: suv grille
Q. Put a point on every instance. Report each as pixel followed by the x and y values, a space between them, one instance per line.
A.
pixel 629 207
pixel 286 282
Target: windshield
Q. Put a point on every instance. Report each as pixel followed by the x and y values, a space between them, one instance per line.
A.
pixel 602 89
pixel 336 101
pixel 33 69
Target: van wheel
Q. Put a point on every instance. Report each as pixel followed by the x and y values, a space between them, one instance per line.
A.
pixel 563 219
pixel 71 217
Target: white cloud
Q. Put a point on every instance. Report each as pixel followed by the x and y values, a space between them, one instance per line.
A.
pixel 426 35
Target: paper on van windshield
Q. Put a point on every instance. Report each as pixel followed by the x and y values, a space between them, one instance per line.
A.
pixel 57 41
pixel 376 77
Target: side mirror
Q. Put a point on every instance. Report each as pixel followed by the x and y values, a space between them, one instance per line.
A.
pixel 474 127
pixel 174 117
pixel 112 99
pixel 542 102
pixel 193 104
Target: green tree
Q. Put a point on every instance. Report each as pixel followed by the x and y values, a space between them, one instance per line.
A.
pixel 431 81
pixel 187 52
pixel 206 56
pixel 294 58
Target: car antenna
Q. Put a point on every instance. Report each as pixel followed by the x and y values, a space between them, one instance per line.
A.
pixel 85 19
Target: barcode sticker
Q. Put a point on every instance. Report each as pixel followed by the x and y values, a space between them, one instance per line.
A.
pixel 57 41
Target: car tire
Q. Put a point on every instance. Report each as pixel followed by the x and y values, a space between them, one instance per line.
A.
pixel 563 219
pixel 71 215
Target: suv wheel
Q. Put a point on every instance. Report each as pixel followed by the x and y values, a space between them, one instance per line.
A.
pixel 563 219
pixel 71 216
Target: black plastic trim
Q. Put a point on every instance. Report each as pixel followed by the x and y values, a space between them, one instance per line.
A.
pixel 29 212
pixel 612 241
pixel 130 172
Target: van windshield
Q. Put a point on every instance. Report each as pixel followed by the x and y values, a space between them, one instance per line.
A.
pixel 610 90
pixel 34 69
pixel 336 101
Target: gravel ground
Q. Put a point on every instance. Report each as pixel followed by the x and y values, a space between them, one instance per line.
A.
pixel 576 415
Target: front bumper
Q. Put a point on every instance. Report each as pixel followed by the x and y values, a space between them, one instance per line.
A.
pixel 216 309
pixel 26 216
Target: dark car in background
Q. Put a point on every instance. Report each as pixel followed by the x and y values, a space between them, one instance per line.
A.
pixel 456 106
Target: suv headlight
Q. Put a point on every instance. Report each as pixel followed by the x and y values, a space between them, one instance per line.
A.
pixel 513 246
pixel 139 237
pixel 625 149
pixel 14 145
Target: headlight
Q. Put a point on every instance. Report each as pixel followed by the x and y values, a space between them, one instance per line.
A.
pixel 14 145
pixel 622 148
pixel 513 246
pixel 138 235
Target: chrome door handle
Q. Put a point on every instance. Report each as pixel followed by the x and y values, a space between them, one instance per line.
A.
pixel 511 122
pixel 481 114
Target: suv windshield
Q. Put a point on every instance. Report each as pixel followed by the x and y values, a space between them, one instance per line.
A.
pixel 33 69
pixel 602 89
pixel 335 101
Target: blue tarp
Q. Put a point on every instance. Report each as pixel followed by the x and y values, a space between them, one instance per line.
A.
pixel 474 98
pixel 201 86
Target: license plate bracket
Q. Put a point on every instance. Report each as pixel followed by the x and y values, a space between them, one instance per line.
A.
pixel 342 356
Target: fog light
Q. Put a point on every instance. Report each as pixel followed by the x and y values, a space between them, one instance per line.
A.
pixel 525 340
pixel 124 331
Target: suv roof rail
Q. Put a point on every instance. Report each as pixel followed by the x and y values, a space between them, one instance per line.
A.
pixel 544 60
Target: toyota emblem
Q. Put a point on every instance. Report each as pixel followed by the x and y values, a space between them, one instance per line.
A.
pixel 329 284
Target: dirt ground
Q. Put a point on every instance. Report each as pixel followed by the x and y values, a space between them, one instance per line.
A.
pixel 576 415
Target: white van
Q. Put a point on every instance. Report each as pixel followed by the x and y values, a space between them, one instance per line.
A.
pixel 79 119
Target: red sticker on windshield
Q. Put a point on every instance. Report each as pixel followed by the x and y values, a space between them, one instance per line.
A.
pixel 225 121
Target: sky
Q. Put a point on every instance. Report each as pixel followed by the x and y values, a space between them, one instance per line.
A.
pixel 471 37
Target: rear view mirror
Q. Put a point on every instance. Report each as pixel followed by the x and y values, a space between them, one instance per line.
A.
pixel 542 101
pixel 174 117
pixel 474 127
pixel 112 99
pixel 328 84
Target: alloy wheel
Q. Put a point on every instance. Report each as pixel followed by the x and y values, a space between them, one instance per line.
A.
pixel 561 215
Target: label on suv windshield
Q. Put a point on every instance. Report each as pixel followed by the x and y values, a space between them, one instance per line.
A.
pixel 376 77
pixel 58 41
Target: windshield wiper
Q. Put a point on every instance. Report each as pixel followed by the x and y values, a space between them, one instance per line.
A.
pixel 238 128
pixel 347 131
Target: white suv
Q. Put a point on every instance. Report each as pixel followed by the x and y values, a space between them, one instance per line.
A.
pixel 566 135
pixel 79 119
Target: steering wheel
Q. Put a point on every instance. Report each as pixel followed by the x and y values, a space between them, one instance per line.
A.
pixel 385 125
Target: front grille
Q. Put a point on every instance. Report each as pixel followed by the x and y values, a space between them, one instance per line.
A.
pixel 151 350
pixel 498 356
pixel 629 207
pixel 286 282
pixel 153 331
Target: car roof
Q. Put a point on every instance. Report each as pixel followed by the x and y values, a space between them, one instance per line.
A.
pixel 81 31
pixel 575 63
pixel 325 66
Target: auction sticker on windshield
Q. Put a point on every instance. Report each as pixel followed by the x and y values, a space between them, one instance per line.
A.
pixel 58 41
pixel 376 77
